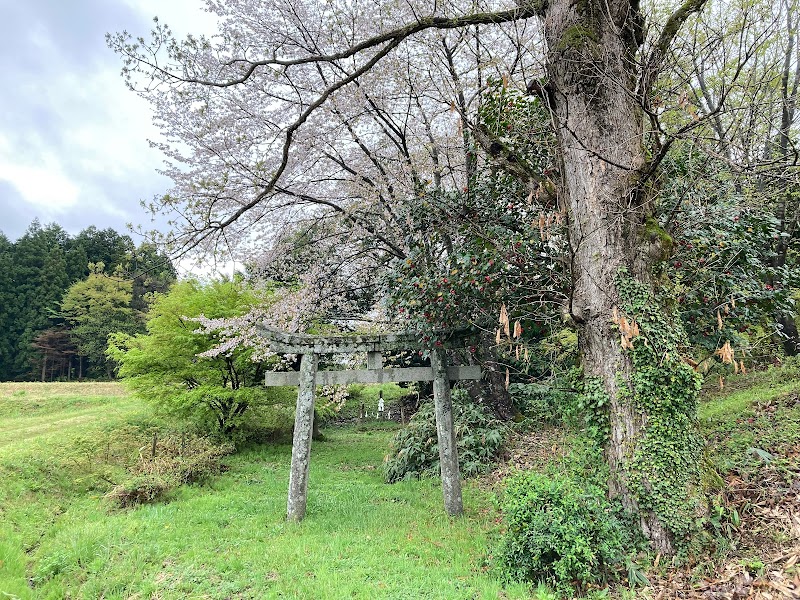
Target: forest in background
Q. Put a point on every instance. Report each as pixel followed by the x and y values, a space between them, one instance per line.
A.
pixel 61 296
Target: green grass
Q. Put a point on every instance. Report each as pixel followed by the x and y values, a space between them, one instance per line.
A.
pixel 227 539
pixel 739 428
pixel 60 444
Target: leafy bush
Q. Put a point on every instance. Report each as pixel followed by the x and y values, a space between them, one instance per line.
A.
pixel 556 400
pixel 538 402
pixel 415 449
pixel 177 367
pixel 561 533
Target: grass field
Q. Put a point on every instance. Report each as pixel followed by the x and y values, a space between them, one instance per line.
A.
pixel 60 538
pixel 62 447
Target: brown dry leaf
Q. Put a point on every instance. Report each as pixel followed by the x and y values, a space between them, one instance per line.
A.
pixel 503 315
pixel 504 321
pixel 726 353
pixel 719 321
pixel 721 383
pixel 508 378
pixel 497 338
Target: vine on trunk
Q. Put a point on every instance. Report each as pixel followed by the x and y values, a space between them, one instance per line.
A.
pixel 664 471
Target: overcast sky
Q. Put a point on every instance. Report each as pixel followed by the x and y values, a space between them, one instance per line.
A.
pixel 73 138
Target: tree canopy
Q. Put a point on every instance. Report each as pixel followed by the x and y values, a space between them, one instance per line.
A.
pixel 530 145
pixel 38 269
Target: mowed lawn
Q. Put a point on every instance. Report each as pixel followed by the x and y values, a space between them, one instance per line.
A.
pixel 227 538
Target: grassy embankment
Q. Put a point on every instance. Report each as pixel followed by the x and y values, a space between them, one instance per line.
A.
pixel 60 449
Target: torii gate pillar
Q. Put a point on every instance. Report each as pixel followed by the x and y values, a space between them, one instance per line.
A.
pixel 301 446
pixel 446 434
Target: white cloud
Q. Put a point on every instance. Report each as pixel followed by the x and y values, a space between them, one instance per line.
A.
pixel 43 186
pixel 73 139
pixel 182 16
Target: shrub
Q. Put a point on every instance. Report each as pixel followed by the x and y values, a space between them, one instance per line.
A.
pixel 415 449
pixel 538 402
pixel 177 461
pixel 141 489
pixel 192 371
pixel 560 533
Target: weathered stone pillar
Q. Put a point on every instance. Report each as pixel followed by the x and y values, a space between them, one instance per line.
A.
pixel 448 453
pixel 301 442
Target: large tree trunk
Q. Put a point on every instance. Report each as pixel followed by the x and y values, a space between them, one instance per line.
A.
pixel 592 78
pixel 492 388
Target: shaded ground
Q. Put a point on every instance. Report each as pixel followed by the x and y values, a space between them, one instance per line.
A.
pixel 755 449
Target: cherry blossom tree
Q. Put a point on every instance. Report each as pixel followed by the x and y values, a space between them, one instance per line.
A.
pixel 299 110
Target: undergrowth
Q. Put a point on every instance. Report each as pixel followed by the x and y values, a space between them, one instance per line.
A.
pixel 171 462
pixel 414 451
pixel 565 533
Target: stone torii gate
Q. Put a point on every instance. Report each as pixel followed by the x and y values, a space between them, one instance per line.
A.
pixel 309 347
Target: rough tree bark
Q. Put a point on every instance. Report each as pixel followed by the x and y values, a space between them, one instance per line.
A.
pixel 592 89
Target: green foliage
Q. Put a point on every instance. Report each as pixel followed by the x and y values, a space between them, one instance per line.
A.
pixel 589 407
pixel 561 533
pixel 725 254
pixel 557 400
pixel 664 470
pixel 473 249
pixel 38 278
pixel 538 402
pixel 415 449
pixel 35 273
pixel 96 307
pixel 724 263
pixel 221 393
pixel 151 272
pixel 520 123
pixel 570 399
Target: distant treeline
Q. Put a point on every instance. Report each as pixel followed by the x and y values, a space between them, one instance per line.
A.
pixel 52 283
